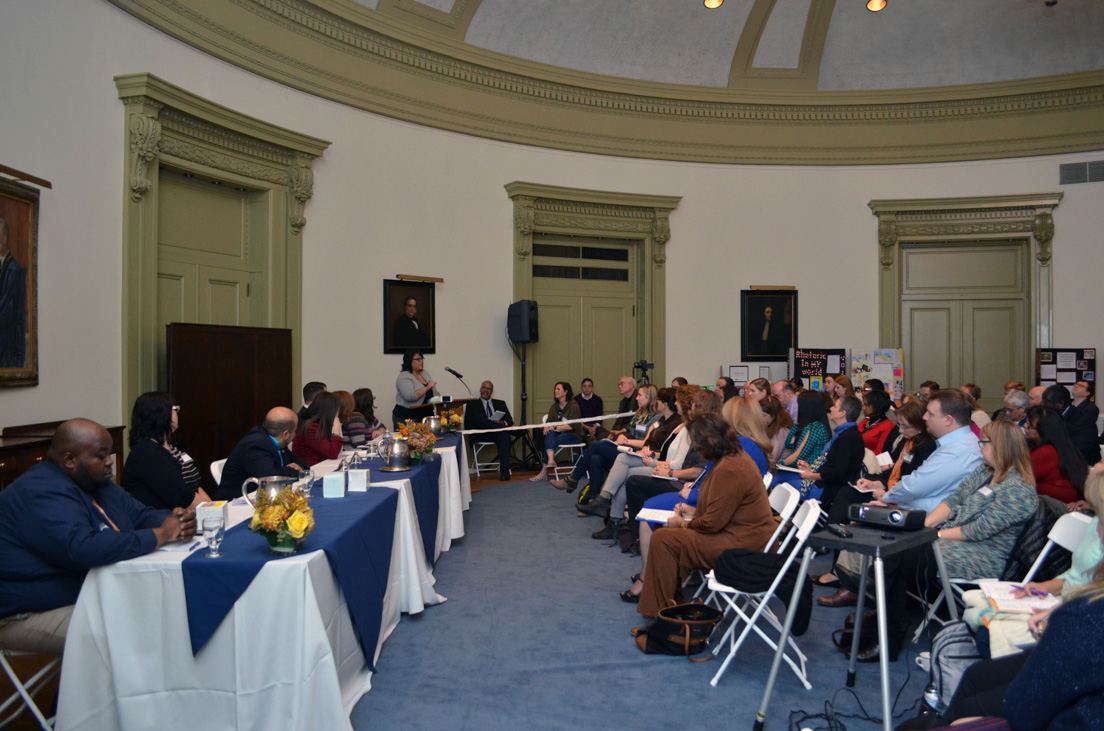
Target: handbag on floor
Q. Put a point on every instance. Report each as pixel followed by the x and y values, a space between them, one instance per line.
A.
pixel 682 629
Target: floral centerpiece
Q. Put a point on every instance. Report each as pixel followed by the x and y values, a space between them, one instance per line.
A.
pixel 284 520
pixel 418 437
pixel 455 421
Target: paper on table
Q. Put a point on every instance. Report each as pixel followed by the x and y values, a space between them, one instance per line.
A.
pixel 999 594
pixel 655 515
pixel 182 546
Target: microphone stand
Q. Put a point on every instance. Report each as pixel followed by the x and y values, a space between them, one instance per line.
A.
pixel 462 381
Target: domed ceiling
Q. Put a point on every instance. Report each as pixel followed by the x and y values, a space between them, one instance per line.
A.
pixel 754 81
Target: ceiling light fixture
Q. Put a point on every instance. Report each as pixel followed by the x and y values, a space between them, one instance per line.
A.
pixel 875 5
pixel 711 4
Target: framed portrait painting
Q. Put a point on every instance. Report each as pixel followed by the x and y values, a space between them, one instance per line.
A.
pixel 18 284
pixel 768 324
pixel 409 316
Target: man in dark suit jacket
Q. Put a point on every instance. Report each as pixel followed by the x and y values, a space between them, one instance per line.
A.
pixel 1081 423
pixel 408 332
pixel 477 415
pixel 262 452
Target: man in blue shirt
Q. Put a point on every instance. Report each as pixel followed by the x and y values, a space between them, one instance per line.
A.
pixel 58 520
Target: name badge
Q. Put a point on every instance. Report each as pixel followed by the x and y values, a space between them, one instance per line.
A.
pixel 185 458
pixel 907 458
pixel 986 491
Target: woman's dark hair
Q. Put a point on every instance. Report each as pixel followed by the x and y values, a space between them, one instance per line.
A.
pixel 566 388
pixel 667 396
pixel 713 437
pixel 780 419
pixel 879 403
pixel 873 384
pixel 151 417
pixel 810 408
pixel 365 404
pixel 322 411
pixel 408 360
pixel 912 414
pixel 1052 430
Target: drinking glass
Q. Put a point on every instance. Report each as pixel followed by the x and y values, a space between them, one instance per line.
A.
pixel 214 529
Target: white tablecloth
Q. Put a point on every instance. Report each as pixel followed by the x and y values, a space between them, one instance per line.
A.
pixel 286 655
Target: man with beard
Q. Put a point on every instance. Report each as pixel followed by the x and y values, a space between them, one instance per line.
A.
pixel 58 520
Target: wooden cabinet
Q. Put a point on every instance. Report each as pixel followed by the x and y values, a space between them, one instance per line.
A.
pixel 22 447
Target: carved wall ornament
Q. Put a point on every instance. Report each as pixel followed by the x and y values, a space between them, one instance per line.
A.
pixel 525 216
pixel 887 237
pixel 145 135
pixel 1044 233
pixel 301 187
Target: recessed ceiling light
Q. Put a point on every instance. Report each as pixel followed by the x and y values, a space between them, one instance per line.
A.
pixel 713 3
pixel 875 5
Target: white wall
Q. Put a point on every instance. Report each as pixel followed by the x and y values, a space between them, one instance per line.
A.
pixel 736 225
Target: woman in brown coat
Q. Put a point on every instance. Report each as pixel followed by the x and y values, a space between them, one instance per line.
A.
pixel 733 512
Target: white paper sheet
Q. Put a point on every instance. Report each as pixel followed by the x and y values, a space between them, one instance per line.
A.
pixel 654 515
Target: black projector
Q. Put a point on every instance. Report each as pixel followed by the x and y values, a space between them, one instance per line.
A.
pixel 887 517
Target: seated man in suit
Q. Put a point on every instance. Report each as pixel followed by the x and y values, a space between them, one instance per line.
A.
pixel 61 518
pixel 262 452
pixel 477 415
pixel 1080 422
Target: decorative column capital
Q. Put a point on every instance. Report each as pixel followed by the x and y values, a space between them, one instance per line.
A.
pixel 661 234
pixel 144 132
pixel 525 216
pixel 887 239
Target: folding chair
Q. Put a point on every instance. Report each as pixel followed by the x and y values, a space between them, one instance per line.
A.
pixel 574 452
pixel 216 470
pixel 24 694
pixel 740 601
pixel 1067 532
pixel 492 465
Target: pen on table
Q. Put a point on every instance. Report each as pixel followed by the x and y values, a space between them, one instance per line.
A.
pixel 195 545
pixel 1036 592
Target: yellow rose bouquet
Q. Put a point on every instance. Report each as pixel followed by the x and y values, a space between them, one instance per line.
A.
pixel 455 421
pixel 418 437
pixel 284 520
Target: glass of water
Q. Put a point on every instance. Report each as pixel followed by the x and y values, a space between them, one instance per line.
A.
pixel 214 529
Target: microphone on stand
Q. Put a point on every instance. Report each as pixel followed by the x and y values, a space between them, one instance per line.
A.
pixel 461 380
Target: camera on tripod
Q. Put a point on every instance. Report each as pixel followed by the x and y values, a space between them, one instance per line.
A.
pixel 643 366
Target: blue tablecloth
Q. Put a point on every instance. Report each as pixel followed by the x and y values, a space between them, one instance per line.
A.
pixel 425 481
pixel 356 533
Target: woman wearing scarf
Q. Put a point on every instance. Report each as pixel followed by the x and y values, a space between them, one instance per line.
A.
pixel 839 464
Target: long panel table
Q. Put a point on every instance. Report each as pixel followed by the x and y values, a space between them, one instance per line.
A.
pixel 128 658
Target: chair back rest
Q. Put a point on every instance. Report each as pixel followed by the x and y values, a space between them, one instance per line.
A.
pixel 803 524
pixel 216 470
pixel 783 500
pixel 768 478
pixel 1068 532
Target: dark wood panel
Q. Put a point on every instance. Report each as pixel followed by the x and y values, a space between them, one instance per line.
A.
pixel 225 380
pixel 24 446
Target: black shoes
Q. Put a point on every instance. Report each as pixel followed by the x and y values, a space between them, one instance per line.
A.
pixel 598 506
pixel 504 477
pixel 628 596
pixel 611 529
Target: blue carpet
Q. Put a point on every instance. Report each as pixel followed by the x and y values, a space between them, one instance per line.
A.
pixel 534 635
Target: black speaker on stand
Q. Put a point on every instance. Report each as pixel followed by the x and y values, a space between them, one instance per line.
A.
pixel 521 329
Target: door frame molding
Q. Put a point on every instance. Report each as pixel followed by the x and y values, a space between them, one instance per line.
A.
pixel 641 219
pixel 966 221
pixel 166 124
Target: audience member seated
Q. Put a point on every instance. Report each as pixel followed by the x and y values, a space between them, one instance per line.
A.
pixel 310 390
pixel 830 385
pixel 262 452
pixel 61 518
pixel 1081 423
pixel 362 426
pixel 675 460
pixel 318 437
pixel 1035 395
pixel 554 434
pixel 758 389
pixel 911 447
pixel 927 388
pixel 785 392
pixel 1059 468
pixel 843 387
pixel 806 439
pixel 732 512
pixel 479 415
pixel 727 388
pixel 1016 403
pixel 1009 387
pixel 1084 403
pixel 977 414
pixel 414 387
pixel 778 423
pixel 877 425
pixel 679 382
pixel 345 406
pixel 839 465
pixel 590 403
pixel 653 415
pixel 156 472
pixel 626 386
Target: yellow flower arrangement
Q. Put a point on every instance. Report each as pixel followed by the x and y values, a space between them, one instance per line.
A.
pixel 418 437
pixel 284 520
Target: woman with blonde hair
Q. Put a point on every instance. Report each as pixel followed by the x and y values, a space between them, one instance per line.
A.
pixel 758 389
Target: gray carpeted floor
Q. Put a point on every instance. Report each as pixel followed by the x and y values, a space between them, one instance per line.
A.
pixel 534 635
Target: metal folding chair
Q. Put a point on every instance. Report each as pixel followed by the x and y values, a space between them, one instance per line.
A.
pixel 24 694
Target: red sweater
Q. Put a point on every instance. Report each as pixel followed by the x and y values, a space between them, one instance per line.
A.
pixel 314 450
pixel 1049 480
pixel 874 437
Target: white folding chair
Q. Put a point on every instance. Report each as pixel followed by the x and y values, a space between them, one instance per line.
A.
pixel 1067 532
pixel 768 478
pixel 24 694
pixel 739 602
pixel 492 465
pixel 216 470
pixel 574 452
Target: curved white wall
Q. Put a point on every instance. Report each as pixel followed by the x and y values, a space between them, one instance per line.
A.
pixel 736 226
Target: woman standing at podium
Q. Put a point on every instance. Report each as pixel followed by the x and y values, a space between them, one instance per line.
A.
pixel 413 388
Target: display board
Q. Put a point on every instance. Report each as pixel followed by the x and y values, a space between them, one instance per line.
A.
pixel 887 364
pixel 1065 366
pixel 812 364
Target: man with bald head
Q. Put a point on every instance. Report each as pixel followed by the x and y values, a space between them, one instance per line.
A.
pixel 262 452
pixel 61 518
pixel 480 415
pixel 1035 396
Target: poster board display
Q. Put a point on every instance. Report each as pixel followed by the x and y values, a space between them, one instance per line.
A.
pixel 887 364
pixel 1065 366
pixel 812 364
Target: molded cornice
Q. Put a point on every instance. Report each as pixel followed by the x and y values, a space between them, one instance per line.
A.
pixel 342 51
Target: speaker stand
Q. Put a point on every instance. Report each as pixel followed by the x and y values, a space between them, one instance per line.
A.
pixel 529 456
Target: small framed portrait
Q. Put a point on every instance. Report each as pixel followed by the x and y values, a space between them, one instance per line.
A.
pixel 18 284
pixel 409 316
pixel 768 324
